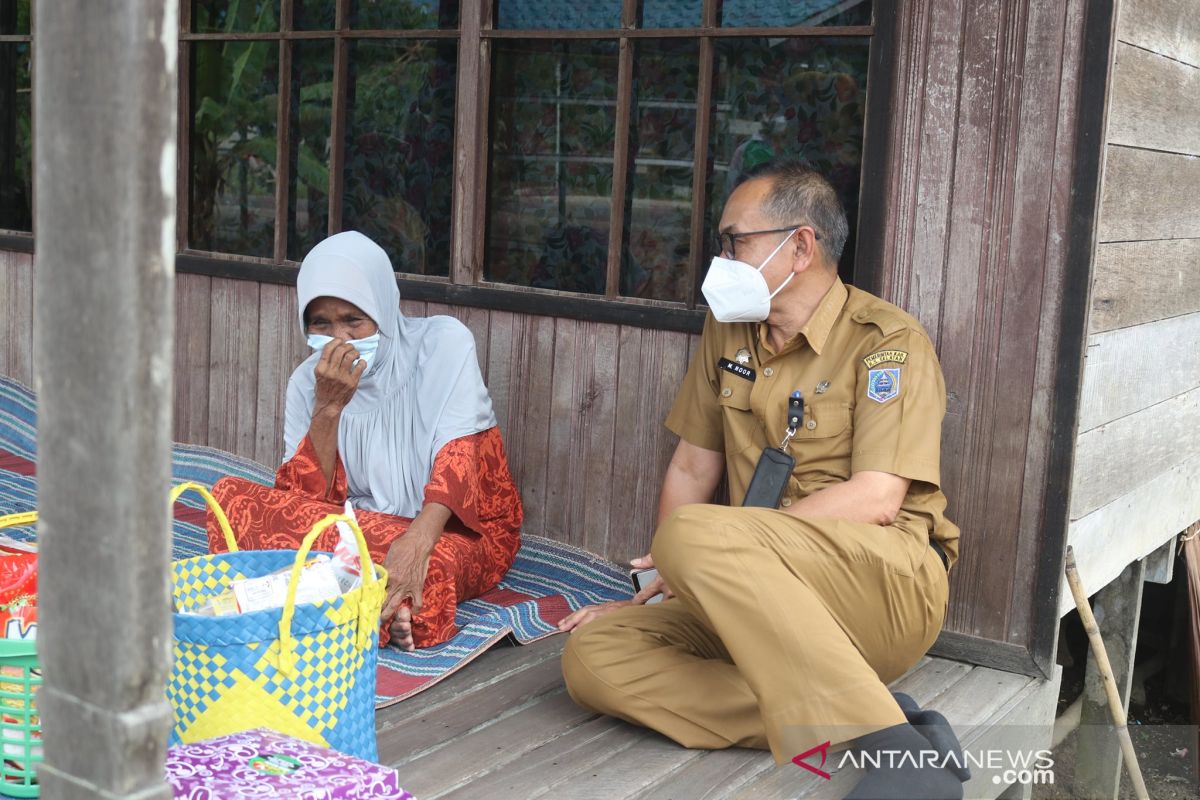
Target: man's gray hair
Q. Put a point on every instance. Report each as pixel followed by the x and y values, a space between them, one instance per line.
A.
pixel 800 195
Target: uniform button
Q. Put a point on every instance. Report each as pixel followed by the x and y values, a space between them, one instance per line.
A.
pixel 787 501
pixel 726 392
pixel 768 372
pixel 811 424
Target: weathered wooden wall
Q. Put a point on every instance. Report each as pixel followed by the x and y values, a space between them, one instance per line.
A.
pixel 980 153
pixel 979 187
pixel 580 404
pixel 16 316
pixel 1138 449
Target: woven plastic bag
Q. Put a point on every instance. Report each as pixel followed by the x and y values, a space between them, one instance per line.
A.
pixel 306 670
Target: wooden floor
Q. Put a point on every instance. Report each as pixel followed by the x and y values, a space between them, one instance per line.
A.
pixel 504 728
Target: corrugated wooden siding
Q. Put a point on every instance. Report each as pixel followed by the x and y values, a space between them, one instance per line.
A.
pixel 1138 450
pixel 982 139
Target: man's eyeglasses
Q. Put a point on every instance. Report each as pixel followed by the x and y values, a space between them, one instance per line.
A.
pixel 726 243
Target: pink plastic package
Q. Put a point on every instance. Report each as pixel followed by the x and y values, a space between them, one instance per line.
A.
pixel 263 765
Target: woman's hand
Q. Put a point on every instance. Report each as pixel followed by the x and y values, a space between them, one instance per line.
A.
pixel 407 565
pixel 337 376
pixel 589 613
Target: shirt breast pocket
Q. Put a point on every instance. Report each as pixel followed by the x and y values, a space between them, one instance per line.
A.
pixel 741 428
pixel 822 445
pixel 825 419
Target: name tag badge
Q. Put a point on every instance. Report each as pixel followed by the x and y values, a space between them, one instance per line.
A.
pixel 741 370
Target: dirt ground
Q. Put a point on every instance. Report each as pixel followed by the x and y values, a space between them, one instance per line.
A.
pixel 1160 717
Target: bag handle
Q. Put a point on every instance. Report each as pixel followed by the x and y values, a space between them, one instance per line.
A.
pixel 218 512
pixel 18 519
pixel 366 625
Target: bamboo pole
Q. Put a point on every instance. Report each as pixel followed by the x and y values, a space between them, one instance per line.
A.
pixel 1115 706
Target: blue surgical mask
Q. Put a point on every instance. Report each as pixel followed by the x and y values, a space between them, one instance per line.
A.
pixel 366 347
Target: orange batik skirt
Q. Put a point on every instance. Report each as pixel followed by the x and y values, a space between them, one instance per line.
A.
pixel 470 476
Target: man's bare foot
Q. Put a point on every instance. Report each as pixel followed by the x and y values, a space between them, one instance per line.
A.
pixel 401 629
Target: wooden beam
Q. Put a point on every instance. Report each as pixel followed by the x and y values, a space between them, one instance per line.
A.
pixel 682 33
pixel 700 160
pixel 621 156
pixel 283 142
pixel 470 137
pixel 337 142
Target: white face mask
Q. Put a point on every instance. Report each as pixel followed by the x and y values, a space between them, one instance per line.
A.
pixel 737 292
pixel 366 347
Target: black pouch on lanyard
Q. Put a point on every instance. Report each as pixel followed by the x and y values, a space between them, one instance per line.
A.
pixel 775 464
pixel 770 478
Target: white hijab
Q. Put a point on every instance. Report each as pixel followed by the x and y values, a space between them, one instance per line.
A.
pixel 422 390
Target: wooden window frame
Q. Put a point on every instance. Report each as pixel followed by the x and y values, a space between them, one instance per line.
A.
pixel 22 241
pixel 465 283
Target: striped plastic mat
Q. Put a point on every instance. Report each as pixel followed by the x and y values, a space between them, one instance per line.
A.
pixel 547 581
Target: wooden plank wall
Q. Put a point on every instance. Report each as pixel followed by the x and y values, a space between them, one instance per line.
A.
pixel 580 404
pixel 16 324
pixel 981 153
pixel 982 158
pixel 1138 449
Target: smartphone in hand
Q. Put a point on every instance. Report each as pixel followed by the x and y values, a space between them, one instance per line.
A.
pixel 641 579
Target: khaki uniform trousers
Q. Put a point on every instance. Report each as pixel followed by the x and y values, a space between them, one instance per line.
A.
pixel 783 633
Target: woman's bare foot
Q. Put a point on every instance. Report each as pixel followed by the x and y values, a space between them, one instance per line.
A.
pixel 401 629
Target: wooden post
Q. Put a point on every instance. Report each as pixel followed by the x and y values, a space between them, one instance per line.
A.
pixel 1117 609
pixel 105 110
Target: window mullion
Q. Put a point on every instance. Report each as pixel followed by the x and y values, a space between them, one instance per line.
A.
pixel 337 142
pixel 470 146
pixel 283 141
pixel 183 182
pixel 704 94
pixel 621 155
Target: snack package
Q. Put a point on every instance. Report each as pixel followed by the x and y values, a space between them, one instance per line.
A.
pixel 219 605
pixel 317 583
pixel 18 596
pixel 345 555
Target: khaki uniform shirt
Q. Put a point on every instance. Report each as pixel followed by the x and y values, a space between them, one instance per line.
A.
pixel 874 399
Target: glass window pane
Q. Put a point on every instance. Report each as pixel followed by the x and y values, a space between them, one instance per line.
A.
pixel 399 149
pixel 403 14
pixel 16 134
pixel 313 15
pixel 14 17
pixel 785 13
pixel 232 146
pixel 550 184
pixel 235 16
pixel 798 99
pixel 310 119
pixel 558 14
pixel 655 262
pixel 672 13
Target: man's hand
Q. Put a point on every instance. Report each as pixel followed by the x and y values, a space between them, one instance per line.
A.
pixel 337 376
pixel 655 587
pixel 589 613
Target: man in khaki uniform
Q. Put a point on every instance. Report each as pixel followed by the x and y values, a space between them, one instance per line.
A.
pixel 786 624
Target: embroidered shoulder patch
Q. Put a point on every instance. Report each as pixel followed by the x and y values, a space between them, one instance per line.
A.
pixel 883 356
pixel 883 384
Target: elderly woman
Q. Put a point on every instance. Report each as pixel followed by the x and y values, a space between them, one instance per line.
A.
pixel 391 413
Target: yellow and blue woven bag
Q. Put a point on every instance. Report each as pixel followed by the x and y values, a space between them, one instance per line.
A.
pixel 306 670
